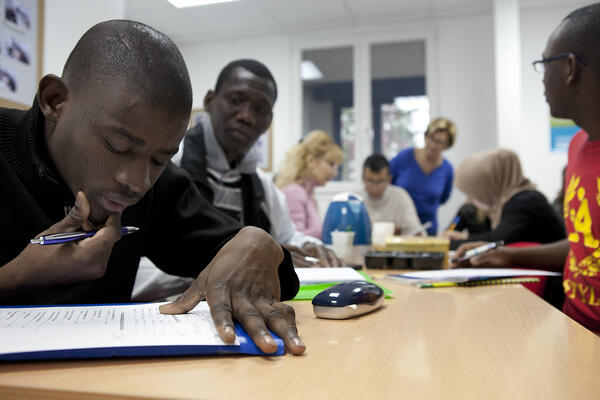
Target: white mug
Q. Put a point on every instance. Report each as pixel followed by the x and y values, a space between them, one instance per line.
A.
pixel 342 243
pixel 381 230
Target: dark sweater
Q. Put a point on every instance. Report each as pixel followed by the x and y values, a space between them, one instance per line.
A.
pixel 526 217
pixel 180 231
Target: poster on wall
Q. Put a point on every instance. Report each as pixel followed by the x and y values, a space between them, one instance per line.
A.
pixel 19 59
pixel 561 132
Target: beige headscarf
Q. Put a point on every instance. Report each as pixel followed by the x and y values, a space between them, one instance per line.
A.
pixel 492 177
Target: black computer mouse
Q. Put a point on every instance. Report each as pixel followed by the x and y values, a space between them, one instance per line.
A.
pixel 347 300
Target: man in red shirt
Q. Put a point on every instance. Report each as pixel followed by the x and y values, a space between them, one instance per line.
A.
pixel 571 65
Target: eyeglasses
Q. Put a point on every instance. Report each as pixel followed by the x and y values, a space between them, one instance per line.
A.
pixel 371 182
pixel 438 142
pixel 540 65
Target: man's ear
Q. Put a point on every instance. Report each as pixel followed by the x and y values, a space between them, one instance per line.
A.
pixel 208 98
pixel 51 96
pixel 573 69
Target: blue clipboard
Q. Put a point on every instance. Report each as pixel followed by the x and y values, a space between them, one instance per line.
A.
pixel 246 346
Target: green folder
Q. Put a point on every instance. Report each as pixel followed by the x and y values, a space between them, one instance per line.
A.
pixel 308 292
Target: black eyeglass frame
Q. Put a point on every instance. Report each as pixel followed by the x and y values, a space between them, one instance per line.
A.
pixel 543 61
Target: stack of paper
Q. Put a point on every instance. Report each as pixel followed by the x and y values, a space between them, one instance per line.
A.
pixel 312 276
pixel 446 277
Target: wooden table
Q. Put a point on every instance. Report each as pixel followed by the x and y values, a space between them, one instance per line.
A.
pixel 458 343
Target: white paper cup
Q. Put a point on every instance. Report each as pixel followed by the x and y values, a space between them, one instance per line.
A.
pixel 342 243
pixel 380 231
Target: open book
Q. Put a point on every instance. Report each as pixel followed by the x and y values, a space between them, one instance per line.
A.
pixel 129 330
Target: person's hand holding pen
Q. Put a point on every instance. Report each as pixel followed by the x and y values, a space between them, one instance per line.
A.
pixel 313 255
pixel 64 263
pixel 498 257
pixel 242 282
pixel 452 234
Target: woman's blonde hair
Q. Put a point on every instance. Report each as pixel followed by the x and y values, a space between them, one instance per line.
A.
pixel 318 144
pixel 442 124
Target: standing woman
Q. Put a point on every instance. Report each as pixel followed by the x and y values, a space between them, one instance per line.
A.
pixel 312 162
pixel 424 173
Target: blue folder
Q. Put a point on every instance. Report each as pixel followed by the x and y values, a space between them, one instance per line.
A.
pixel 246 346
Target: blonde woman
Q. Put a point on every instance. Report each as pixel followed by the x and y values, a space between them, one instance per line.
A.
pixel 312 162
pixel 424 173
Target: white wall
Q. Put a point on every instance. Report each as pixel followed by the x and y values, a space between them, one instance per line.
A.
pixel 64 23
pixel 466 91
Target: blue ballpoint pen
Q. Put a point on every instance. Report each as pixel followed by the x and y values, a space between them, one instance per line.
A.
pixel 479 250
pixel 57 238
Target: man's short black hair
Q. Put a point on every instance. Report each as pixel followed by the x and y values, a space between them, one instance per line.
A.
pixel 256 67
pixel 145 60
pixel 376 163
pixel 580 31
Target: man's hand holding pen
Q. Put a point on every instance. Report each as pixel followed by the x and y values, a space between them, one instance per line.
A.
pixel 65 263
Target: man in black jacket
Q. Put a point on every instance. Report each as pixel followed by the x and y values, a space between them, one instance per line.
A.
pixel 93 153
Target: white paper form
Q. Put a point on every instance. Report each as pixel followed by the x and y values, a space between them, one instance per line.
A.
pixel 465 275
pixel 311 276
pixel 79 327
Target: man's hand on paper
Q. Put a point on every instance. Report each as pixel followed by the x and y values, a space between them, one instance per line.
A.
pixel 313 255
pixel 242 282
pixel 68 262
pixel 500 257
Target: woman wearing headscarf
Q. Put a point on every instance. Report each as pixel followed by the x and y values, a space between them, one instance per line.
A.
pixel 493 181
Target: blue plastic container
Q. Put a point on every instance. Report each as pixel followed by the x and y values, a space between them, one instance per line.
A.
pixel 347 212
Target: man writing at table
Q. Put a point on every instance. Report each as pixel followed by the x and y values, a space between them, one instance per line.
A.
pixel 571 65
pixel 93 153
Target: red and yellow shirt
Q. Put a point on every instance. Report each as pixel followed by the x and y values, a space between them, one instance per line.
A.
pixel 581 280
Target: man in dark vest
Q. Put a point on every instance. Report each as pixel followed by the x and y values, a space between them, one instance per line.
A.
pixel 220 155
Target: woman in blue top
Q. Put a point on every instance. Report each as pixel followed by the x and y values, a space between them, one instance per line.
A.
pixel 424 173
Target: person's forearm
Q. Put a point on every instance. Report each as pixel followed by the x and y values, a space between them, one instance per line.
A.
pixel 549 256
pixel 12 281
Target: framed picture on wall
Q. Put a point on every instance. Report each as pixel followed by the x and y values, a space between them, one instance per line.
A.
pixel 21 42
pixel 264 143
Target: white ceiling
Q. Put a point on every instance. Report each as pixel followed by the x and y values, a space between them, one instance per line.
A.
pixel 258 17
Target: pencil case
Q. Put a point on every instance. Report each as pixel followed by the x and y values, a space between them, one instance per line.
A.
pixel 404 260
